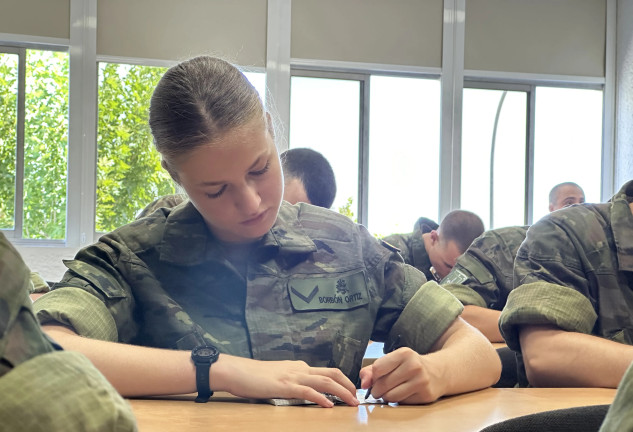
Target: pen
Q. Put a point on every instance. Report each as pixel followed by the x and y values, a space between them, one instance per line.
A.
pixel 390 348
pixel 368 393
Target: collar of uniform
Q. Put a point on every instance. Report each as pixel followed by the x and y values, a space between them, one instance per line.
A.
pixel 186 236
pixel 187 240
pixel 621 224
pixel 287 234
pixel 419 254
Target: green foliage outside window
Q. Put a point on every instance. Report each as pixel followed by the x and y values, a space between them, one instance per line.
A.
pixel 8 136
pixel 129 174
pixel 45 142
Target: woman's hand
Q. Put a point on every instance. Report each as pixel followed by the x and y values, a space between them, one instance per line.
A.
pixel 281 379
pixel 402 376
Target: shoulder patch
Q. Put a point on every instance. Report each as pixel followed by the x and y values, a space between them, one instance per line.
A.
pixel 390 246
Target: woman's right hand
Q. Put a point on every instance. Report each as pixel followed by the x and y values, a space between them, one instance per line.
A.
pixel 281 379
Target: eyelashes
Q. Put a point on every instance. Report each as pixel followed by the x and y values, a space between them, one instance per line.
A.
pixel 253 173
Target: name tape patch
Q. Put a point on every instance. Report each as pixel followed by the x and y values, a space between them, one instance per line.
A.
pixel 333 293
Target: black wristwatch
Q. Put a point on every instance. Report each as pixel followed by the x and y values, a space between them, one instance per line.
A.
pixel 203 357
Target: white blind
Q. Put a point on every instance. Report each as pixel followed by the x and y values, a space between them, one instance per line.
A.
pixel 179 29
pixel 565 37
pixel 402 32
pixel 43 18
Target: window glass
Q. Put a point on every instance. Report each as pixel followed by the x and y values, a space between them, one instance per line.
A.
pixel 45 145
pixel 8 137
pixel 324 116
pixel 129 172
pixel 494 135
pixel 567 143
pixel 258 79
pixel 404 139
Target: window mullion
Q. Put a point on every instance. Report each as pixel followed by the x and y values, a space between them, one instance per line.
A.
pixel 19 156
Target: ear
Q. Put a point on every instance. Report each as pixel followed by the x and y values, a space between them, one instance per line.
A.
pixel 171 172
pixel 435 236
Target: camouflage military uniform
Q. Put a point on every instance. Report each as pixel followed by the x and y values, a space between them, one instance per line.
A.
pixel 315 288
pixel 167 201
pixel 412 246
pixel 42 387
pixel 483 275
pixel 575 271
pixel 620 415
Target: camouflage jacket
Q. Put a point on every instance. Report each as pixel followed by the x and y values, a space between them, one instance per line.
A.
pixel 412 246
pixel 166 201
pixel 317 288
pixel 575 270
pixel 483 275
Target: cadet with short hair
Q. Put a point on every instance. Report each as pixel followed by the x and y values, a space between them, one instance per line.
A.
pixel 565 194
pixel 308 177
pixel 570 317
pixel 43 387
pixel 432 248
pixel 219 293
pixel 483 277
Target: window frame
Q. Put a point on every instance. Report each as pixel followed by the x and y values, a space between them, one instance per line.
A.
pixel 20 49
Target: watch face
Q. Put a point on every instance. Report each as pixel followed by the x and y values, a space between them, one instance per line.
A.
pixel 205 352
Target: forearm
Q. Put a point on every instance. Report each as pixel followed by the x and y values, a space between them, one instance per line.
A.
pixel 133 370
pixel 558 358
pixel 484 320
pixel 465 360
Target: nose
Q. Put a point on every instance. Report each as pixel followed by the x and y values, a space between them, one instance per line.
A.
pixel 248 199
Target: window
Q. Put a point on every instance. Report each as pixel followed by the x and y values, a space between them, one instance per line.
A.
pixel 494 145
pixel 34 143
pixel 129 172
pixel 506 176
pixel 404 141
pixel 325 116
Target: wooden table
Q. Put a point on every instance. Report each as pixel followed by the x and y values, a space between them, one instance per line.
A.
pixel 461 413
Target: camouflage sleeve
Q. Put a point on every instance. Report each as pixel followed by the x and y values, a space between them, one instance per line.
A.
pixel 471 282
pixel 94 296
pixel 75 308
pixel 425 318
pixel 545 303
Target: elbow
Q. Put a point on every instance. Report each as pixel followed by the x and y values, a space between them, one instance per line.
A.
pixel 537 371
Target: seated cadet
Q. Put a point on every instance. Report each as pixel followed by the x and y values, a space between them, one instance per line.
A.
pixel 43 387
pixel 483 277
pixel 565 194
pixel 239 291
pixel 570 317
pixel 433 248
pixel 308 177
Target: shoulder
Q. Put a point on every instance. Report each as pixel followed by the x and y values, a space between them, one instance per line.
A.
pixel 317 221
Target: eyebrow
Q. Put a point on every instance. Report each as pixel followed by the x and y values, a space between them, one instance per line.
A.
pixel 221 182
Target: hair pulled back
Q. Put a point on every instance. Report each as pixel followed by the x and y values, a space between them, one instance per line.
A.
pixel 198 100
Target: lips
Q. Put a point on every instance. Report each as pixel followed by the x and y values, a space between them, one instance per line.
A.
pixel 255 220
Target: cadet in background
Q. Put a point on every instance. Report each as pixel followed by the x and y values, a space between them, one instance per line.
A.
pixel 570 317
pixel 565 194
pixel 432 248
pixel 308 177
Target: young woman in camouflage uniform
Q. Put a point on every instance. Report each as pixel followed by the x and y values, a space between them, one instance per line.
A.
pixel 262 281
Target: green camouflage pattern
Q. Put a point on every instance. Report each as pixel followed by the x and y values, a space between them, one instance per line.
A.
pixel 484 274
pixel 166 201
pixel 45 389
pixel 411 246
pixel 317 287
pixel 575 271
pixel 619 417
pixel 20 334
